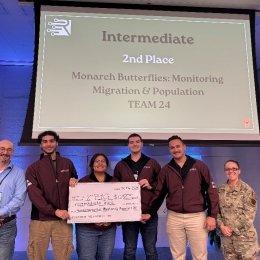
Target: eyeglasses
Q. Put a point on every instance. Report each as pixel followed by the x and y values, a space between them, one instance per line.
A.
pixel 8 150
pixel 231 169
pixel 100 161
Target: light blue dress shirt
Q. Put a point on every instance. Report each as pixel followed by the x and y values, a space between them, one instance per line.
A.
pixel 12 190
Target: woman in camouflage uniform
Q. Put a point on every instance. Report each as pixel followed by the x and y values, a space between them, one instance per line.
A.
pixel 237 202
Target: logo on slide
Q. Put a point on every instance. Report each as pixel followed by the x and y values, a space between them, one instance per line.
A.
pixel 247 123
pixel 59 27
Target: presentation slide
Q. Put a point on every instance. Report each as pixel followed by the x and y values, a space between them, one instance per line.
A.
pixel 106 73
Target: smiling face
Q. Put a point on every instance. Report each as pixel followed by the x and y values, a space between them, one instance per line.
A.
pixel 135 144
pixel 6 151
pixel 100 164
pixel 177 149
pixel 48 144
pixel 232 171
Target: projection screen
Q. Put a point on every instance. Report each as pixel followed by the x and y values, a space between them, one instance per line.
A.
pixel 105 73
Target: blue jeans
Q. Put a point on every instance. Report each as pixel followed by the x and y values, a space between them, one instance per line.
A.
pixel 94 244
pixel 149 237
pixel 8 233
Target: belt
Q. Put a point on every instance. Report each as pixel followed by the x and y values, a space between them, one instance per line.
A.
pixel 6 220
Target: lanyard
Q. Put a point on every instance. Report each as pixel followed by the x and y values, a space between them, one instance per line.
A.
pixel 6 176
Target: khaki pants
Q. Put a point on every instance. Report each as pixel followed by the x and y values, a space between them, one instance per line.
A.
pixel 187 227
pixel 56 231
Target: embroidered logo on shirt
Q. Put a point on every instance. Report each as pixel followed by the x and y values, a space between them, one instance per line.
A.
pixel 213 185
pixel 65 170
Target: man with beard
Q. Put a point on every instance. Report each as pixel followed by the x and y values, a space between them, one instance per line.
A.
pixel 190 190
pixel 143 169
pixel 12 197
pixel 48 188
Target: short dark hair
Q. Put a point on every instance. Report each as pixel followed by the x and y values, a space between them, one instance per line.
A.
pixel 175 137
pixel 134 135
pixel 94 157
pixel 48 132
pixel 233 161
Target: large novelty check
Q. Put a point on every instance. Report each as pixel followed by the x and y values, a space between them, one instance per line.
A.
pixel 105 202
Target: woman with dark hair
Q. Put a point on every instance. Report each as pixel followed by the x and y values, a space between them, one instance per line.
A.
pixel 237 203
pixel 96 241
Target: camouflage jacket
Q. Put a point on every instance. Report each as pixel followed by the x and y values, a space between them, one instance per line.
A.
pixel 237 207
